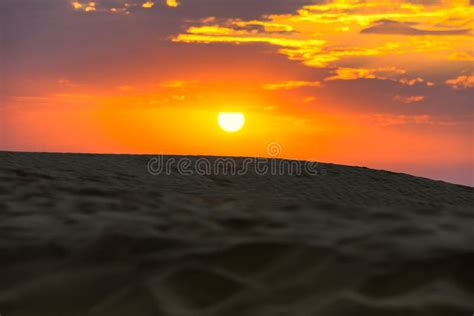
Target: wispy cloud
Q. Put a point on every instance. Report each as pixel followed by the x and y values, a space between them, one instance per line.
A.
pixel 382 73
pixel 414 81
pixel 407 28
pixel 288 85
pixel 402 119
pixel 119 6
pixel 464 56
pixel 178 84
pixel 409 99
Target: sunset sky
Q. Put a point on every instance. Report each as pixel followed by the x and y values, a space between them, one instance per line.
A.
pixel 382 84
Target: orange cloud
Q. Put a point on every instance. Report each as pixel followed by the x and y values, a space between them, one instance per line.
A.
pixel 118 6
pixel 148 4
pixel 288 85
pixel 383 73
pixel 177 84
pixel 401 119
pixel 461 82
pixel 86 6
pixel 325 35
pixel 467 56
pixel 309 99
pixel 412 82
pixel 76 5
pixel 409 99
pixel 67 83
pixel 221 34
pixel 172 3
pixel 125 88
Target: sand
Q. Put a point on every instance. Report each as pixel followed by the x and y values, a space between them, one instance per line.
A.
pixel 99 235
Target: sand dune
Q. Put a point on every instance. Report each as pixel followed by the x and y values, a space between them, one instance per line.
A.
pixel 99 235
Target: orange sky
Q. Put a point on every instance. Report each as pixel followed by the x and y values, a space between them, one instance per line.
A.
pixel 385 84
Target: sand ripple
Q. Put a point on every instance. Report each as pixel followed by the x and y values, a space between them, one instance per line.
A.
pixel 97 235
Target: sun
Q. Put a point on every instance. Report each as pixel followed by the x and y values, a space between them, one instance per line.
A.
pixel 231 121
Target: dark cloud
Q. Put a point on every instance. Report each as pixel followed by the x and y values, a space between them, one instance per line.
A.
pixel 243 9
pixel 438 101
pixel 406 28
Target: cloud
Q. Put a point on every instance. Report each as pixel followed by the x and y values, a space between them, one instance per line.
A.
pixel 409 99
pixel 85 6
pixel 194 8
pixel 309 99
pixel 461 82
pixel 403 119
pixel 465 56
pixel 67 83
pixel 334 32
pixel 125 88
pixel 236 35
pixel 381 73
pixel 242 9
pixel 288 85
pixel 412 82
pixel 119 6
pixel 148 4
pixel 406 28
pixel 384 73
pixel 177 84
pixel 172 3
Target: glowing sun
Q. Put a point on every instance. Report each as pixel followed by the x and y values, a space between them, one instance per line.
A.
pixel 231 122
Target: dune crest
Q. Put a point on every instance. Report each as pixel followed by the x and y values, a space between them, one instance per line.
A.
pixel 99 235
